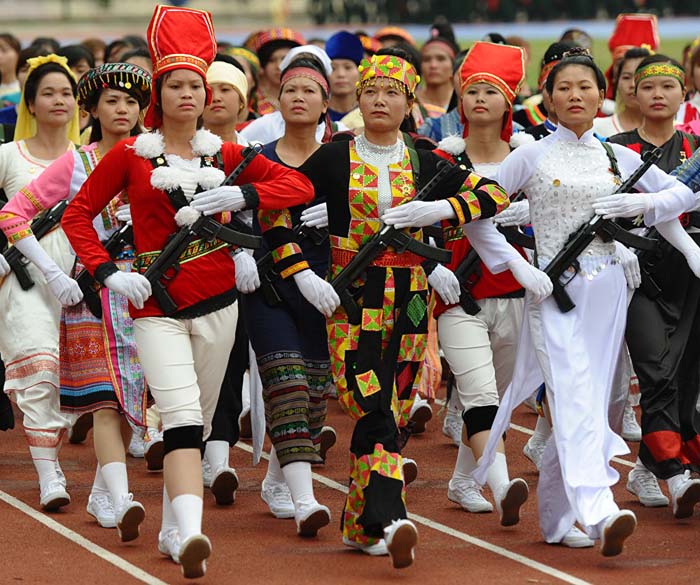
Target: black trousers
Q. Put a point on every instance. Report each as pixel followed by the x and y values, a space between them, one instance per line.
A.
pixel 663 336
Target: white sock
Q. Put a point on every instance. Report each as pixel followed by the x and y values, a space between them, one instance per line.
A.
pixel 245 392
pixel 217 453
pixel 298 478
pixel 465 463
pixel 274 471
pixel 639 466
pixel 543 430
pixel 44 459
pixel 98 485
pixel 188 511
pixel 169 520
pixel 114 475
pixel 497 475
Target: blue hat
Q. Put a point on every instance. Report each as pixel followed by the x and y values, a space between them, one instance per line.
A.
pixel 345 45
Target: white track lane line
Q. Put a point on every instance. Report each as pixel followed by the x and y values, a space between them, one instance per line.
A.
pixel 110 557
pixel 530 432
pixel 542 568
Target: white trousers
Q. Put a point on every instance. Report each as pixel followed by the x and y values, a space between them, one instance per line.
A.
pixel 184 361
pixel 480 349
pixel 576 353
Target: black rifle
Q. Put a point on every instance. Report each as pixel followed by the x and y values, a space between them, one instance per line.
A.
pixel 205 228
pixel 379 242
pixel 608 229
pixel 41 226
pixel 647 262
pixel 266 265
pixel 114 245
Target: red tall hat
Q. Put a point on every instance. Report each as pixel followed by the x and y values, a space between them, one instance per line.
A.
pixel 178 38
pixel 503 67
pixel 631 30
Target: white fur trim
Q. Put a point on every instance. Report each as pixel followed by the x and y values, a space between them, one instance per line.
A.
pixel 205 143
pixel 186 216
pixel 210 177
pixel 521 138
pixel 453 145
pixel 149 145
pixel 167 178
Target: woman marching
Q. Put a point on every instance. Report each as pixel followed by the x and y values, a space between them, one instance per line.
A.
pixel 183 355
pixel 479 341
pixel 47 127
pixel 663 320
pixel 289 334
pixel 566 176
pixel 368 182
pixel 107 379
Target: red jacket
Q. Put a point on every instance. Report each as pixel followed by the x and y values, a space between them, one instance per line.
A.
pixel 206 277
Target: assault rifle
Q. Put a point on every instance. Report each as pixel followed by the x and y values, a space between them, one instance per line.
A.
pixel 41 226
pixel 608 229
pixel 206 228
pixel 114 245
pixel 379 242
pixel 266 264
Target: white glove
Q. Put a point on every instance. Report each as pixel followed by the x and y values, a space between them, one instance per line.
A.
pixel 693 259
pixel 247 278
pixel 517 213
pixel 4 267
pixel 218 199
pixel 533 280
pixel 445 283
pixel 418 214
pixel 123 214
pixel 317 291
pixel 674 233
pixel 132 285
pixel 630 263
pixel 315 216
pixel 624 205
pixel 64 288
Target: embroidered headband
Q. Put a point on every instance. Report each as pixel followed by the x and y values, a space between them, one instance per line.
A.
pixel 244 53
pixel 308 73
pixel 660 70
pixel 399 72
pixel 125 77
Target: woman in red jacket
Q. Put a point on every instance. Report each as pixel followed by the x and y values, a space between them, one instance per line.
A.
pixel 184 355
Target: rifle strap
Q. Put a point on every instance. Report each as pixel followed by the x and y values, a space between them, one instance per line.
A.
pixel 614 167
pixel 177 196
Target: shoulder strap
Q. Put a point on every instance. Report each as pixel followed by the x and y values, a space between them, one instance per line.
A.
pixel 415 164
pixel 613 160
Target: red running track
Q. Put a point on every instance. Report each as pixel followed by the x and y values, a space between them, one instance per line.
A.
pixel 251 547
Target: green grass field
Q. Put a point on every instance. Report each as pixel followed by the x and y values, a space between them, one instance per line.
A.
pixel 671 47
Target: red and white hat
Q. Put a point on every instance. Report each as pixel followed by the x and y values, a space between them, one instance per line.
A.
pixel 178 38
pixel 503 67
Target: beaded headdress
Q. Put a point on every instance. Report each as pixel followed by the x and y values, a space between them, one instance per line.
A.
pixel 126 77
pixel 397 71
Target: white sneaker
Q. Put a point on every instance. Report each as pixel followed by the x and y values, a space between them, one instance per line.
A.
pixel 136 445
pixel 643 484
pixel 54 495
pixel 617 528
pixel 169 543
pixel 420 414
pixel 452 426
pixel 129 516
pixel 509 500
pixel 631 431
pixel 224 484
pixel 327 438
pixel 206 472
pixel 576 538
pixel 193 555
pixel 684 495
pixel 467 494
pixel 531 403
pixel 533 450
pixel 100 507
pixel 310 519
pixel 378 549
pixel 154 450
pixel 59 473
pixel 401 538
pixel 278 498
